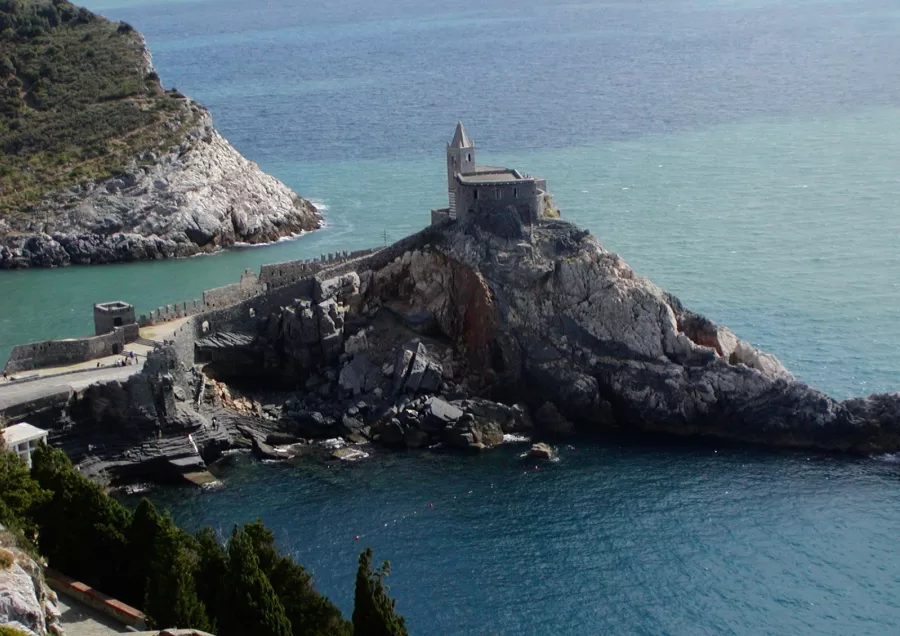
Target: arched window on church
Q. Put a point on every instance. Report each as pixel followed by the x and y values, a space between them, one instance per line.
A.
pixel 469 157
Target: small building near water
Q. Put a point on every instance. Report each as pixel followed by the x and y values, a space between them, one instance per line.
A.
pixel 23 439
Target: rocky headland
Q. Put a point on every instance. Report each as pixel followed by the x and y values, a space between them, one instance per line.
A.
pixel 455 338
pixel 102 165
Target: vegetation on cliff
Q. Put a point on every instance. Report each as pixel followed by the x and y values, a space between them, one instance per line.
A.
pixel 78 100
pixel 176 578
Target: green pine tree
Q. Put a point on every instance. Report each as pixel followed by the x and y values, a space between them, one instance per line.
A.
pixel 20 495
pixel 212 572
pixel 373 610
pixel 81 530
pixel 172 599
pixel 310 613
pixel 146 527
pixel 252 606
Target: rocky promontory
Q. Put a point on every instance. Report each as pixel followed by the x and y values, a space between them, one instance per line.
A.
pixel 102 165
pixel 463 336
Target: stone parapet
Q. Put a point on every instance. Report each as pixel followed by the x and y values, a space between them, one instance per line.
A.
pixel 51 353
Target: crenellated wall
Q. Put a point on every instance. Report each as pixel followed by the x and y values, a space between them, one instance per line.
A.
pixel 51 353
pixel 281 274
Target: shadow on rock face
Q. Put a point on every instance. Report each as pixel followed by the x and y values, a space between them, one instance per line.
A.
pixel 505 224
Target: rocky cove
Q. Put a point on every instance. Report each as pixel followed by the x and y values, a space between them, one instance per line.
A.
pixel 453 338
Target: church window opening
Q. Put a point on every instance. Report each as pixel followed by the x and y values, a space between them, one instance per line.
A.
pixel 515 193
pixel 469 157
pixel 475 194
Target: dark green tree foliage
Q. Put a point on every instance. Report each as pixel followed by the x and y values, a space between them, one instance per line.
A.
pixel 252 606
pixel 309 613
pixel 147 526
pixel 20 495
pixel 81 529
pixel 212 571
pixel 373 609
pixel 172 599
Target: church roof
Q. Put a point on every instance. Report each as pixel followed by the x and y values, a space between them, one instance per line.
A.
pixel 460 138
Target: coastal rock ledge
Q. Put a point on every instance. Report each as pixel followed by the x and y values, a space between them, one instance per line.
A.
pixel 200 196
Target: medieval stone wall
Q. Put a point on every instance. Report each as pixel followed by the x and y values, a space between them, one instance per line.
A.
pixel 523 196
pixel 51 353
pixel 234 307
pixel 281 274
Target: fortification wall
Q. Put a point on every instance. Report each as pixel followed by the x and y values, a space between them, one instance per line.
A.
pixel 52 353
pixel 380 258
pixel 174 311
pixel 481 200
pixel 234 307
pixel 281 274
pixel 247 287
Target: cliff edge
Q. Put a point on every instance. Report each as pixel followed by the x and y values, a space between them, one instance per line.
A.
pixel 100 164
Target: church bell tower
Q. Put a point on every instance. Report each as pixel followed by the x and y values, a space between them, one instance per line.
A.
pixel 460 160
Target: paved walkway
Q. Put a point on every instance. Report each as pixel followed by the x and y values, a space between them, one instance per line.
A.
pixel 56 379
pixel 12 393
pixel 81 620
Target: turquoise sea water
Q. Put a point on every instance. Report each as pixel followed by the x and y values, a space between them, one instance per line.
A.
pixel 744 154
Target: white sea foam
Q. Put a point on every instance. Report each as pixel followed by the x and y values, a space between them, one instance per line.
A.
pixel 321 206
pixel 282 239
pixel 512 438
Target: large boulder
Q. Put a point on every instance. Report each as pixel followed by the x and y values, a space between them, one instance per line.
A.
pixel 359 376
pixel 439 414
pixel 390 432
pixel 416 371
pixel 541 451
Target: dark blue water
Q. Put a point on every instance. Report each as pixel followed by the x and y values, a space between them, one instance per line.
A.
pixel 609 540
pixel 744 154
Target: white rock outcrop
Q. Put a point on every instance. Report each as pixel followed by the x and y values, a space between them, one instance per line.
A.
pixel 26 603
pixel 199 196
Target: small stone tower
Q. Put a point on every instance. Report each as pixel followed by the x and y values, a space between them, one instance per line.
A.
pixel 460 160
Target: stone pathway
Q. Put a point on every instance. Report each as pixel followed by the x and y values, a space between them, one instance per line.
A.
pixel 81 620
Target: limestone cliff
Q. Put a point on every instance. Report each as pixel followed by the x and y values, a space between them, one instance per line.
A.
pixel 552 320
pixel 26 602
pixel 100 164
